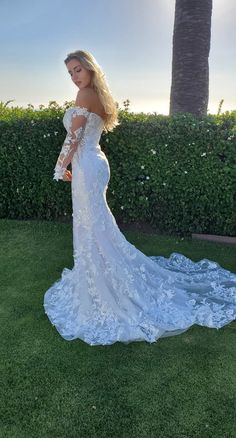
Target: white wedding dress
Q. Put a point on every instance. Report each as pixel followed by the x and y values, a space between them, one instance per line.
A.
pixel 114 292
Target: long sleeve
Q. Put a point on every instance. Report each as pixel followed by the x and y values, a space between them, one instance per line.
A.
pixel 72 141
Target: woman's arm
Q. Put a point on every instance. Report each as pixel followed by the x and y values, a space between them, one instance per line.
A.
pixel 75 133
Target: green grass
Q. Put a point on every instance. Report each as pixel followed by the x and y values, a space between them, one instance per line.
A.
pixel 181 386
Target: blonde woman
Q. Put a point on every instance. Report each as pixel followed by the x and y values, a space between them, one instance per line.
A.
pixel 115 292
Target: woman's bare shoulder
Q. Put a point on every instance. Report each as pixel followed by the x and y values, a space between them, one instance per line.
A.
pixel 88 97
pixel 84 98
pixel 86 93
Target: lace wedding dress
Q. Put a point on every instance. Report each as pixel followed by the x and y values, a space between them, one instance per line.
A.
pixel 114 292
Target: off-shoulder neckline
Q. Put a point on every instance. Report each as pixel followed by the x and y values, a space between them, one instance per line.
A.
pixel 90 112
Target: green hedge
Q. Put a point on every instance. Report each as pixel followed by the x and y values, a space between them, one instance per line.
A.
pixel 175 173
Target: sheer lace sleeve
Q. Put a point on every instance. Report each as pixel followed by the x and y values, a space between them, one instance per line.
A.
pixel 72 141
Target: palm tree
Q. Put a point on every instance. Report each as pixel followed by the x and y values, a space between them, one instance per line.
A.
pixel 191 47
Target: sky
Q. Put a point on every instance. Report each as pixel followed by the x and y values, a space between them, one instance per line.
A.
pixel 130 39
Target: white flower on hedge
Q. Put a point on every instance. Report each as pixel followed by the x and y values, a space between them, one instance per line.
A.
pixel 146 197
pixel 48 135
pixel 147 177
pixel 164 184
pixel 44 136
pixel 142 167
pixel 142 182
pixel 166 144
pixel 55 132
pixel 19 147
pixel 153 151
pixel 113 191
pixel 122 207
pixel 107 140
pixel 203 154
pixel 32 122
pixel 185 171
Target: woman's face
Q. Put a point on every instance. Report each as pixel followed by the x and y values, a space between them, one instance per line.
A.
pixel 79 75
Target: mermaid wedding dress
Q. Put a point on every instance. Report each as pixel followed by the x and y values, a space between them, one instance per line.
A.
pixel 114 292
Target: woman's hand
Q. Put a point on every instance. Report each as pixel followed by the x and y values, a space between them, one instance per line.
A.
pixel 67 176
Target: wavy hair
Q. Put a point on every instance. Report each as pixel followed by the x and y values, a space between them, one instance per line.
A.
pixel 100 85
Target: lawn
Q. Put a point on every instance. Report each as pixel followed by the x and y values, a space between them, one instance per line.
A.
pixel 181 386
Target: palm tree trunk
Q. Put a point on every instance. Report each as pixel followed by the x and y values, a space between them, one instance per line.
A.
pixel 191 47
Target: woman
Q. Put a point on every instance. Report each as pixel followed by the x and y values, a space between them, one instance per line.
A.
pixel 115 292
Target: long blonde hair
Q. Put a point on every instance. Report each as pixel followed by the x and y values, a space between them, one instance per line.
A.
pixel 100 85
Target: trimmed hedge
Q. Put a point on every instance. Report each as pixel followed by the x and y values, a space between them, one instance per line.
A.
pixel 176 173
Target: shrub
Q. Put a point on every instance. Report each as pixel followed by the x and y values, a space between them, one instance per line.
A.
pixel 176 173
